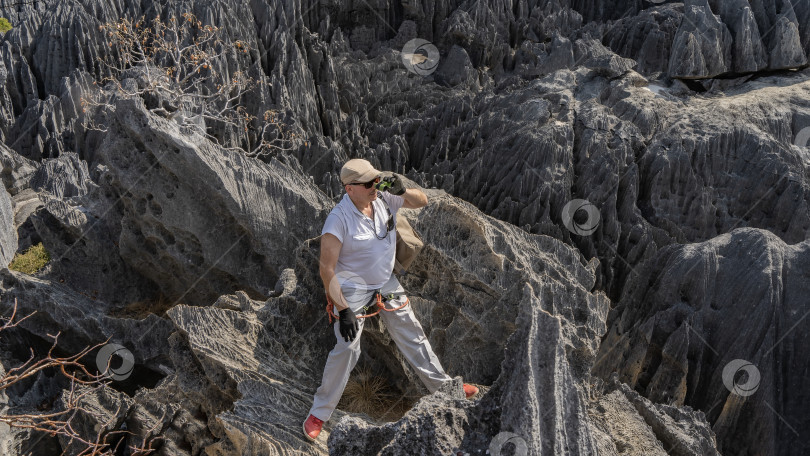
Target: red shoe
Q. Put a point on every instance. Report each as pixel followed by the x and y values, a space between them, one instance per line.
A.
pixel 312 427
pixel 470 390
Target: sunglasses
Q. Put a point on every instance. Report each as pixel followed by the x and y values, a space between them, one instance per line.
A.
pixel 368 184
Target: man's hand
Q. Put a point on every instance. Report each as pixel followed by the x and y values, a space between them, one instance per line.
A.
pixel 393 184
pixel 348 324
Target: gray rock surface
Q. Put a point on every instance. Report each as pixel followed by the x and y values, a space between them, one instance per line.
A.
pixel 748 51
pixel 81 320
pixel 17 170
pixel 19 399
pixel 640 426
pixel 25 203
pixel 646 37
pixel 63 177
pixel 101 410
pixel 83 244
pixel 692 310
pixel 48 127
pixel 239 353
pixel 8 235
pixel 684 124
pixel 544 372
pixel 706 38
pixel 702 45
pixel 196 218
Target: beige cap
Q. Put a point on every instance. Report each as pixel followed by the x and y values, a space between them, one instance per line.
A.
pixel 358 170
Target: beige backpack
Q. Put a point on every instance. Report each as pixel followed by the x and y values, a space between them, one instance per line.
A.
pixel 409 244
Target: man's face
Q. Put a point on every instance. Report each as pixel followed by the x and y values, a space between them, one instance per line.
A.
pixel 360 194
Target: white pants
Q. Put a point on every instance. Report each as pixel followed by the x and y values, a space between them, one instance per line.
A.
pixel 406 332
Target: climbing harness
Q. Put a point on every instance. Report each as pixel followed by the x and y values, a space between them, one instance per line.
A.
pixel 377 300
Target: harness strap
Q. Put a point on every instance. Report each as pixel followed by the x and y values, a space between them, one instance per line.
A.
pixel 377 300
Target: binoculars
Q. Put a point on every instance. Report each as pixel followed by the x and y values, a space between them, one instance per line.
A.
pixel 382 185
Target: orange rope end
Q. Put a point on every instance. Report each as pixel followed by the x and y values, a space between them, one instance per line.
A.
pixel 403 305
pixel 329 308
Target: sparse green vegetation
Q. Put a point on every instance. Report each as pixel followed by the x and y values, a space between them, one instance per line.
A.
pixel 5 25
pixel 34 258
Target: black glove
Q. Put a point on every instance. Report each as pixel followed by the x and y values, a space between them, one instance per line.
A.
pixel 394 184
pixel 348 324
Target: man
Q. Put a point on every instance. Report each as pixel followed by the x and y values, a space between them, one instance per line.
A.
pixel 358 247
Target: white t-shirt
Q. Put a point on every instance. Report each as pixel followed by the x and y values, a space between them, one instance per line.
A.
pixel 365 262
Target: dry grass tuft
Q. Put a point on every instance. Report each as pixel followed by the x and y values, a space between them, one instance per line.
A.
pixel 372 395
pixel 32 260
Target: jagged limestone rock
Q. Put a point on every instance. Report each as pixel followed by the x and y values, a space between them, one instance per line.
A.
pixel 546 108
pixel 247 352
pixel 8 233
pixel 81 320
pixel 641 427
pixel 196 217
pixel 692 309
pixel 16 171
pixel 702 45
pixel 101 410
pixel 63 177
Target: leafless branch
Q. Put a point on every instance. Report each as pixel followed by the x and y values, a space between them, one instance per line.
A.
pixel 60 423
pixel 178 60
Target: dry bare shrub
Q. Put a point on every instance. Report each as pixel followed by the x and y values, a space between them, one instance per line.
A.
pixel 61 423
pixel 173 63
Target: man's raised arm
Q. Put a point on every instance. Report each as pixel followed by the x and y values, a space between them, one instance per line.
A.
pixel 414 198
